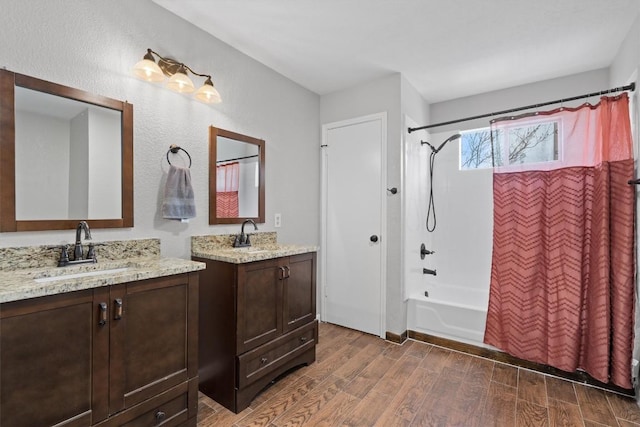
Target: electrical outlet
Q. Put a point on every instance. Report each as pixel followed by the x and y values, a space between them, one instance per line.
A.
pixel 278 220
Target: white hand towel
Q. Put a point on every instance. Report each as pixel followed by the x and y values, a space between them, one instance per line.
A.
pixel 178 201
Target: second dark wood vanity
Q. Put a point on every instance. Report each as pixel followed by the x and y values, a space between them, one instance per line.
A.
pixel 257 321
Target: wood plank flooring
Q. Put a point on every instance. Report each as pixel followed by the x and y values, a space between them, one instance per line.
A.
pixel 361 380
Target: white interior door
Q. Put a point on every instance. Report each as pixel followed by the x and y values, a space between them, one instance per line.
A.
pixel 353 216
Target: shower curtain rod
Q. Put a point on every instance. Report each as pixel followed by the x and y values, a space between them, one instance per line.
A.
pixel 631 87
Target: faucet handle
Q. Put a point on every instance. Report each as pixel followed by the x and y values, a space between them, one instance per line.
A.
pixel 91 254
pixel 64 256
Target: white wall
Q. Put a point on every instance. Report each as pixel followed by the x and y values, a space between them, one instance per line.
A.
pixel 547 90
pixel 104 195
pixel 369 98
pixel 415 112
pixel 43 178
pixel 92 45
pixel 79 166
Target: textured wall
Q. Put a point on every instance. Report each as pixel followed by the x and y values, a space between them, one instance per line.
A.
pixel 370 98
pixel 92 45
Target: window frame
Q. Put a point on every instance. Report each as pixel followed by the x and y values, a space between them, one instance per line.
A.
pixel 558 146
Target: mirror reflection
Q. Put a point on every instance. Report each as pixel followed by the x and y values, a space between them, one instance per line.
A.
pixel 67 158
pixel 65 154
pixel 236 177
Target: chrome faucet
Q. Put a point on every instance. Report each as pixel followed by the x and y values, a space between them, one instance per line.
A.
pixel 78 252
pixel 242 240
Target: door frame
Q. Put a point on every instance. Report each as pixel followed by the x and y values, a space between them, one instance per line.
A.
pixel 382 117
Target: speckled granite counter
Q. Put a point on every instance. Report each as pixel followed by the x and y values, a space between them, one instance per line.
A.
pixel 264 246
pixel 21 268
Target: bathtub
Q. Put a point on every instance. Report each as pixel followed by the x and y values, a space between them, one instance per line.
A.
pixel 451 312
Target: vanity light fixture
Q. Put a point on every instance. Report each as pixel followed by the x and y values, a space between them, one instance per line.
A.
pixel 179 81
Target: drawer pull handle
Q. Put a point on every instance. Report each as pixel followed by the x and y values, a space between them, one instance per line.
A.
pixel 118 303
pixel 288 272
pixel 303 339
pixel 263 360
pixel 160 416
pixel 103 313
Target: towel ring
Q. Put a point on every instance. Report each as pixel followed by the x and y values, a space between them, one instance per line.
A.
pixel 173 148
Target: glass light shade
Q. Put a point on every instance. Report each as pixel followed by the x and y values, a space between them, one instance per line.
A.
pixel 180 82
pixel 148 70
pixel 208 94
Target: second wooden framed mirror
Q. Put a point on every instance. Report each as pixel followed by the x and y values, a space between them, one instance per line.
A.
pixel 236 177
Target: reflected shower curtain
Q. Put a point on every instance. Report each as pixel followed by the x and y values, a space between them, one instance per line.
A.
pixel 227 184
pixel 562 274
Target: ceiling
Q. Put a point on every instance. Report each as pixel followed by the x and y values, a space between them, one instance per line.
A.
pixel 445 48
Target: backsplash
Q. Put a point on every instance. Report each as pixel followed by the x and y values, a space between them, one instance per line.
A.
pixel 215 241
pixel 14 258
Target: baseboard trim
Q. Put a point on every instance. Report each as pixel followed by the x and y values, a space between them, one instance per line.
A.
pixel 499 356
pixel 398 339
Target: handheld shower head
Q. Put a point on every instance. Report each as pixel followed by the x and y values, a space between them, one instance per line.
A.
pixel 434 149
pixel 451 138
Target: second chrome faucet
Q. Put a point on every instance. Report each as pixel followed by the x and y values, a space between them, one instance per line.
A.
pixel 242 240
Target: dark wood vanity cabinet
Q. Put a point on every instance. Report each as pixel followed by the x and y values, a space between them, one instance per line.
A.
pixel 257 320
pixel 110 356
pixel 47 353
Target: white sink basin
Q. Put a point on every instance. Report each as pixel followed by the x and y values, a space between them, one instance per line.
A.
pixel 78 275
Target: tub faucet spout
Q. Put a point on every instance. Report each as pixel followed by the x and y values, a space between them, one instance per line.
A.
pixel 427 271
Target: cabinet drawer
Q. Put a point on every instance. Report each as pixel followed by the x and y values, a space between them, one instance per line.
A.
pixel 171 408
pixel 260 361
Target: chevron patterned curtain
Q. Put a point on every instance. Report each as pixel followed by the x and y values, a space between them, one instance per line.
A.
pixel 562 275
pixel 227 184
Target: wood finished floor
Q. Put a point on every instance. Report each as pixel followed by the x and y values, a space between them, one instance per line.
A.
pixel 361 380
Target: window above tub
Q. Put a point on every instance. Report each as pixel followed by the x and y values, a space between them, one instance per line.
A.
pixel 535 141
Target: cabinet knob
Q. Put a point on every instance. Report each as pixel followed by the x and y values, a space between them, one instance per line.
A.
pixel 160 415
pixel 303 339
pixel 263 360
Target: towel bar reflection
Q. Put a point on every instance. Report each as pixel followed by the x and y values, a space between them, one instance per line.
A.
pixel 173 148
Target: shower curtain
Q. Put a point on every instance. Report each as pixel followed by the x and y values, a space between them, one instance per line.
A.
pixel 562 274
pixel 227 184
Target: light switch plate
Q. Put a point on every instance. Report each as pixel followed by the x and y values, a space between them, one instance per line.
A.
pixel 278 220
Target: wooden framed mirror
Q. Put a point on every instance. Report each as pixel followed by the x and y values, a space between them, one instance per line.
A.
pixel 66 155
pixel 236 177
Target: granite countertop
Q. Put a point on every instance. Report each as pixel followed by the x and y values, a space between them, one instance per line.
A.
pixel 251 253
pixel 27 283
pixel 219 247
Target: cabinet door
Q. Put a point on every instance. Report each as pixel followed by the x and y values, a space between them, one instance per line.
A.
pixel 259 303
pixel 299 297
pixel 153 338
pixel 47 349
